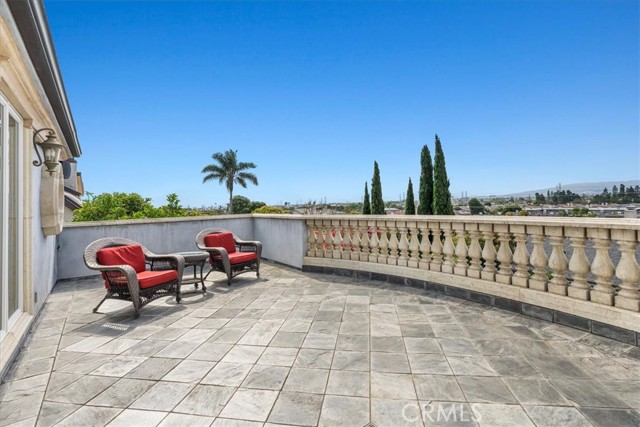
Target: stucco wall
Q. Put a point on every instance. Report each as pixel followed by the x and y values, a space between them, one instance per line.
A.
pixel 283 238
pixel 159 235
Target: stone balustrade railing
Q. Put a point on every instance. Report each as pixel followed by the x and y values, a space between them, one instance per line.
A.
pixel 588 260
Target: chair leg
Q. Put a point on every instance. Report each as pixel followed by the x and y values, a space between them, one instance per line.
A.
pixel 95 310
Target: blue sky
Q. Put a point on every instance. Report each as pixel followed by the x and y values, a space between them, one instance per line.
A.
pixel 524 95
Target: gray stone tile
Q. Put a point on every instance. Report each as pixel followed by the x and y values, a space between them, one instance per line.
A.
pixel 27 369
pixel 352 343
pixel 557 367
pixel 325 327
pixel 153 368
pixel 350 361
pixel 118 366
pixel 83 365
pixel 447 414
pixel 266 377
pixel 422 345
pixel 182 420
pixel 227 374
pixel 288 339
pixel 600 417
pixel 385 330
pixel 387 344
pixel 438 387
pixel 88 344
pixel 278 356
pixel 587 392
pixel 535 391
pixel 146 348
pixel 354 328
pixel 512 366
pixel 497 347
pixel 312 358
pixel 392 386
pixel 390 362
pixel 554 416
pixel 500 415
pixel 306 380
pixel 320 341
pixel 212 352
pixel 189 371
pixel 20 409
pixel 82 390
pixel 348 383
pixel 90 416
pixel 485 390
pixel 227 335
pixel 458 346
pixel 301 409
pixel 243 354
pixel 122 393
pixel 163 396
pixel 206 400
pixel 470 365
pixel 396 413
pixel 178 350
pixel 252 405
pixel 23 388
pixel 629 391
pixel 344 411
pixel 130 417
pixel 116 346
pixel 52 412
pixel 430 363
pixel 296 325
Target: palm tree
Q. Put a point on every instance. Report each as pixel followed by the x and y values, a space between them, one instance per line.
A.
pixel 229 171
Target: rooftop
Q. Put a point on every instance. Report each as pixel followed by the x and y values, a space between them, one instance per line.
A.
pixel 295 348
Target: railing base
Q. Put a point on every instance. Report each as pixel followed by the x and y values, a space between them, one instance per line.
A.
pixel 506 297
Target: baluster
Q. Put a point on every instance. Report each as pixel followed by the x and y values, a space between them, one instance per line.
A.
pixel 627 271
pixel 539 259
pixel 505 256
pixel 461 250
pixel 447 249
pixel 557 261
pixel 414 245
pixel 320 240
pixel 475 251
pixel 337 241
pixel 355 241
pixel 346 241
pixel 602 267
pixel 436 247
pixel 383 244
pixel 403 245
pixel 374 242
pixel 579 264
pixel 425 246
pixel 311 239
pixel 488 253
pixel 520 256
pixel 393 243
pixel 364 241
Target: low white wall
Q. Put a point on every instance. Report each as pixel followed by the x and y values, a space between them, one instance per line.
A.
pixel 284 238
pixel 158 235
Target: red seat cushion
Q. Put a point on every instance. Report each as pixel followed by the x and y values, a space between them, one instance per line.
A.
pixel 221 240
pixel 239 257
pixel 130 255
pixel 148 279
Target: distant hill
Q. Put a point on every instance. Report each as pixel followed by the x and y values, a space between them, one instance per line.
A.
pixel 588 188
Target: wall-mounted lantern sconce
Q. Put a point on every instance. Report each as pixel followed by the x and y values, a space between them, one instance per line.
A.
pixel 50 148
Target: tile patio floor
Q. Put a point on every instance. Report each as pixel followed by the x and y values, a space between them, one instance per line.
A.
pixel 308 349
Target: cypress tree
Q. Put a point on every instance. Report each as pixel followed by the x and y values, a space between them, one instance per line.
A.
pixel 377 204
pixel 441 195
pixel 410 204
pixel 366 206
pixel 425 195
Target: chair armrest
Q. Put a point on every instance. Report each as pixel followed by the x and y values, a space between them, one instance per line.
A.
pixel 215 250
pixel 254 245
pixel 128 272
pixel 166 262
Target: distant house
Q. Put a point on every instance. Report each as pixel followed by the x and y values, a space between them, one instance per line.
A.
pixel 32 100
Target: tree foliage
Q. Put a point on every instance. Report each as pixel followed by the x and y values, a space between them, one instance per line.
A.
pixel 377 203
pixel 441 194
pixel 410 204
pixel 229 171
pixel 476 207
pixel 425 194
pixel 269 210
pixel 117 206
pixel 242 205
pixel 366 205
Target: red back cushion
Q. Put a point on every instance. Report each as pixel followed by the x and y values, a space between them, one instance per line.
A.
pixel 131 255
pixel 221 240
